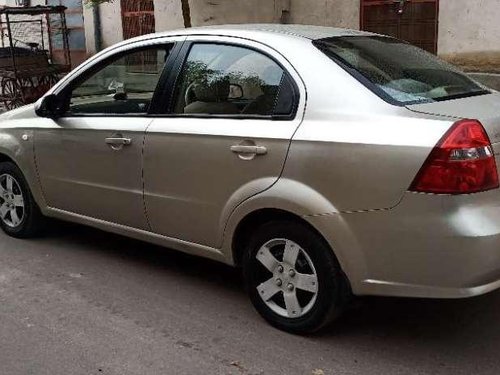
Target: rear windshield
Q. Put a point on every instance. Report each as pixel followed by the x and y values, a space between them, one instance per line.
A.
pixel 399 72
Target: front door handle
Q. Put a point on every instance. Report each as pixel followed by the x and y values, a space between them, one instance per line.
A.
pixel 117 142
pixel 248 151
pixel 241 149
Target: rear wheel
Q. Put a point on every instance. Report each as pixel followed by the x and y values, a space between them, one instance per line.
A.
pixel 293 278
pixel 19 214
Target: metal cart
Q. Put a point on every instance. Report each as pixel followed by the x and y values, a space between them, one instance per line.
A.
pixel 34 53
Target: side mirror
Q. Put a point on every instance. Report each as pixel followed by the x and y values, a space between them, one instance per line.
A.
pixel 120 96
pixel 49 107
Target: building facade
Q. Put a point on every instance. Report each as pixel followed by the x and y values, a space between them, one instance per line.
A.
pixel 464 32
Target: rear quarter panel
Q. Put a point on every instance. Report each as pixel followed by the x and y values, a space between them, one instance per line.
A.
pixel 354 149
pixel 361 161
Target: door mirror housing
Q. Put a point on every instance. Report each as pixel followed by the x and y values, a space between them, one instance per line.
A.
pixel 50 107
pixel 120 96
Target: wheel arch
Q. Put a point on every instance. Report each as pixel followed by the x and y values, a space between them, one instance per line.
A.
pixel 6 158
pixel 255 219
pixel 294 201
pixel 286 200
pixel 252 221
pixel 23 158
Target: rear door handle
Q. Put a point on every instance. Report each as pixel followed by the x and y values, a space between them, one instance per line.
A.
pixel 242 149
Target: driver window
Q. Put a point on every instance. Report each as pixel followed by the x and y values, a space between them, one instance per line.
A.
pixel 124 86
pixel 228 80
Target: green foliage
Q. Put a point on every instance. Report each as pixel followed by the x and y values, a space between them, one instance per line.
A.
pixel 199 72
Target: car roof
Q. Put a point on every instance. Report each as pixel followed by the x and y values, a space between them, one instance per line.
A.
pixel 300 31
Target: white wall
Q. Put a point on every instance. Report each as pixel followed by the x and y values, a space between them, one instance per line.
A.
pixel 88 20
pixel 468 29
pixel 469 26
pixel 111 21
pixel 111 25
pixel 469 32
pixel 337 13
pixel 215 12
pixel 168 15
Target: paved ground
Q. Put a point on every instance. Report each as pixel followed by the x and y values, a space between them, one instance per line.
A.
pixel 80 301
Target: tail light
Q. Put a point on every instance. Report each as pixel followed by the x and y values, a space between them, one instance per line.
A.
pixel 461 163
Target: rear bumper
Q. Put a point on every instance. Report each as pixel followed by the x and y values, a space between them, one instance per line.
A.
pixel 428 246
pixel 383 288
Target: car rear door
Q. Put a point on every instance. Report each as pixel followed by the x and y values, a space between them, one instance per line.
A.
pixel 223 137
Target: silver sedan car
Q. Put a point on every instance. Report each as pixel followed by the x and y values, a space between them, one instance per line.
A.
pixel 325 162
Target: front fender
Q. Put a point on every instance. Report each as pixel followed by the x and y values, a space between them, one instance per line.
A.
pixel 17 144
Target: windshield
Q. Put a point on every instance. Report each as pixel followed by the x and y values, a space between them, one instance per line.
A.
pixel 397 71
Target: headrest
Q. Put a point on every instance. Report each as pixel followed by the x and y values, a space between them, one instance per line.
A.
pixel 217 90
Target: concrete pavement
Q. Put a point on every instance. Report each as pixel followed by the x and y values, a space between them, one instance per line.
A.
pixel 80 301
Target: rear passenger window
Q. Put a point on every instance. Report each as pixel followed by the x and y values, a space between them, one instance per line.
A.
pixel 229 80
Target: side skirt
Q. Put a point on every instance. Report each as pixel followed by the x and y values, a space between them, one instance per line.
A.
pixel 139 234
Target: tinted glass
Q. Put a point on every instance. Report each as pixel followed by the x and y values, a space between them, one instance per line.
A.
pixel 400 71
pixel 228 80
pixel 126 85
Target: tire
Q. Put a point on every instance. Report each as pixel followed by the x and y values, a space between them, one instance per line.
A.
pixel 20 216
pixel 321 289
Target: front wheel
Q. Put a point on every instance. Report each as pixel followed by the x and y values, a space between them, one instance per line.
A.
pixel 19 214
pixel 293 278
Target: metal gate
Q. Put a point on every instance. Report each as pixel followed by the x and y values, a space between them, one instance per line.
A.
pixel 415 21
pixel 138 17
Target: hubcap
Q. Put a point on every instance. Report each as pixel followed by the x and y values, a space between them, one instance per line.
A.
pixel 11 201
pixel 289 284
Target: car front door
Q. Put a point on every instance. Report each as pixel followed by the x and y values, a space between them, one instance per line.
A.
pixel 225 137
pixel 90 159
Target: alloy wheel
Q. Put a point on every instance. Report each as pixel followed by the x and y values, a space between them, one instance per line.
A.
pixel 289 283
pixel 12 208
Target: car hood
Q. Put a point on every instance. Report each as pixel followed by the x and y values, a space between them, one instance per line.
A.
pixel 485 108
pixel 25 112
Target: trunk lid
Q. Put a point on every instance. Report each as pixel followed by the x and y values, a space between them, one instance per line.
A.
pixel 485 108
